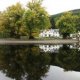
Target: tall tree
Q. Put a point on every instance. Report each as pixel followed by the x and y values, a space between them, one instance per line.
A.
pixel 13 20
pixel 67 24
pixel 35 17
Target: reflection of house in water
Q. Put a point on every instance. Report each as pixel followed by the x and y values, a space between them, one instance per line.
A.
pixel 50 48
pixel 55 48
pixel 74 46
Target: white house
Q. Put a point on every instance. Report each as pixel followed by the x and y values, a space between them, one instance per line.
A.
pixel 50 33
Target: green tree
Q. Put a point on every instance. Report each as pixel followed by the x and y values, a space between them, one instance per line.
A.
pixel 2 21
pixel 67 24
pixel 12 21
pixel 35 17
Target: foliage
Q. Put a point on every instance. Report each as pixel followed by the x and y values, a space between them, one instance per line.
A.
pixel 12 21
pixel 35 17
pixel 67 24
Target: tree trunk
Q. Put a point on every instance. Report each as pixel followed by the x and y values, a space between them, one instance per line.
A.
pixel 17 34
pixel 12 34
pixel 30 35
pixel 66 35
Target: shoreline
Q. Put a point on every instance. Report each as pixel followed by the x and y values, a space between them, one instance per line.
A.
pixel 23 42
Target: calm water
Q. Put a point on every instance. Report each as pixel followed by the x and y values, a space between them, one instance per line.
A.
pixel 40 62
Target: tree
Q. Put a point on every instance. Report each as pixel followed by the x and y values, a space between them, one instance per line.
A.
pixel 12 21
pixel 35 17
pixel 67 24
pixel 52 20
pixel 1 18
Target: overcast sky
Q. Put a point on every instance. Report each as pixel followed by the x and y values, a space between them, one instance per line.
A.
pixel 52 6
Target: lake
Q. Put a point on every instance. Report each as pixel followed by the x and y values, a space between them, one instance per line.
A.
pixel 40 62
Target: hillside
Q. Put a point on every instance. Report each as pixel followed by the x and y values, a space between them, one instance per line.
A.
pixel 53 18
pixel 76 11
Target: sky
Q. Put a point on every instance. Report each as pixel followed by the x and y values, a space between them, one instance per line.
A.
pixel 51 6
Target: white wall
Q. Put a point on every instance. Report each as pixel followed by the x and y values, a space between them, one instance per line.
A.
pixel 50 33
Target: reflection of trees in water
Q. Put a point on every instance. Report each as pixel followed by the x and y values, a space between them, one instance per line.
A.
pixel 69 59
pixel 23 61
pixel 11 61
pixel 37 64
pixel 28 62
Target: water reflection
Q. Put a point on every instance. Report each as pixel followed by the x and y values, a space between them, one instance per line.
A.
pixel 55 48
pixel 57 73
pixel 29 62
pixel 69 59
pixel 23 62
pixel 50 48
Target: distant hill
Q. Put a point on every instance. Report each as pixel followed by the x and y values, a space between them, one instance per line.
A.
pixel 76 11
pixel 53 18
